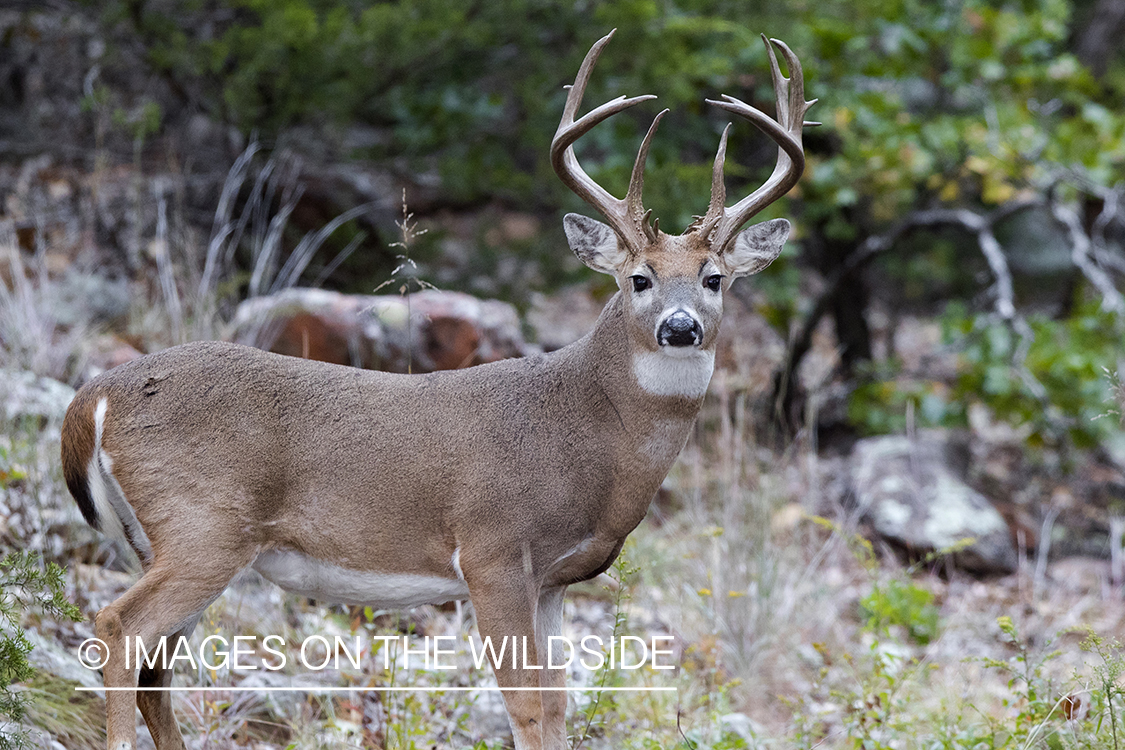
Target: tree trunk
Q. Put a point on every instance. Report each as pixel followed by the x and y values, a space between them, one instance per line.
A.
pixel 1098 42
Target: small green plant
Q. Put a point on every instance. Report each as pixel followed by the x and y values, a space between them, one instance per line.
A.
pixel 1107 695
pixel 875 711
pixel 601 703
pixel 26 584
pixel 898 601
pixel 902 603
pixel 872 693
pixel 1035 692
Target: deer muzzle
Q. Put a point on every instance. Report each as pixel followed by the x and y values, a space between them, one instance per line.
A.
pixel 680 329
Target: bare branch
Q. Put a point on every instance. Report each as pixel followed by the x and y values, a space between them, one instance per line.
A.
pixel 1080 252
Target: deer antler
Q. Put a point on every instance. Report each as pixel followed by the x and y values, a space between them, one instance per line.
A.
pixel 627 217
pixel 786 131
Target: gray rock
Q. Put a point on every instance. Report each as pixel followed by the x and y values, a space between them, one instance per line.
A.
pixel 913 493
pixel 78 299
pixel 25 394
pixel 48 656
pixel 1038 250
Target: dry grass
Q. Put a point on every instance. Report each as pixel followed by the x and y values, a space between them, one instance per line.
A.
pixel 32 338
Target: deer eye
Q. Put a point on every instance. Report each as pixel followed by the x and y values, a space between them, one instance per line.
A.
pixel 640 283
pixel 714 283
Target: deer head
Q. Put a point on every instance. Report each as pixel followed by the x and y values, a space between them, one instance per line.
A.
pixel 673 285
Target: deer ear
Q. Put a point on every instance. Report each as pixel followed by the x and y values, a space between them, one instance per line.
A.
pixel 756 247
pixel 594 243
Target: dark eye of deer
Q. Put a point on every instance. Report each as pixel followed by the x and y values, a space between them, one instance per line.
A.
pixel 640 283
pixel 714 283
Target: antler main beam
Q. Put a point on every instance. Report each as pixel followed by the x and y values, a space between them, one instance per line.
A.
pixel 785 131
pixel 627 217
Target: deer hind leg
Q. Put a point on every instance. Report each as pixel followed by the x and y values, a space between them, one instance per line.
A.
pixel 164 601
pixel 156 706
pixel 549 623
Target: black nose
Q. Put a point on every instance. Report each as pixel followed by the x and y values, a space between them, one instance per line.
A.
pixel 679 329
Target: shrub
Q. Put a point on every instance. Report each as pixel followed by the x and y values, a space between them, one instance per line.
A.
pixel 25 585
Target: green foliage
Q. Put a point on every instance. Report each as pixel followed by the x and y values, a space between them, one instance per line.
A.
pixel 969 103
pixel 884 402
pixel 1057 387
pixel 1059 391
pixel 946 103
pixel 902 603
pixel 924 104
pixel 25 585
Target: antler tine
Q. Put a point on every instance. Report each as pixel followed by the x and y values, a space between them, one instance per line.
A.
pixel 624 216
pixel 785 131
pixel 634 209
pixel 718 187
pixel 796 75
pixel 784 105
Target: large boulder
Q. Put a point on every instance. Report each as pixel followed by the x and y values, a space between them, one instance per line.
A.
pixel 913 493
pixel 427 331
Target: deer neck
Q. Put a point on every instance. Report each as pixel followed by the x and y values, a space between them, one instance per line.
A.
pixel 656 395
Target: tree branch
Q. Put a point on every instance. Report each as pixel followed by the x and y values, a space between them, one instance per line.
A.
pixel 981 226
pixel 1080 251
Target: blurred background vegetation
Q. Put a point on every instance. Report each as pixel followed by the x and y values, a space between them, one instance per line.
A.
pixel 1009 110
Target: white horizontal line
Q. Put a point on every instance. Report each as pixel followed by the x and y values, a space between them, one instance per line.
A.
pixel 314 689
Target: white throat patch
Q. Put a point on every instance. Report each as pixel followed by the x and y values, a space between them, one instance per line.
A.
pixel 674 372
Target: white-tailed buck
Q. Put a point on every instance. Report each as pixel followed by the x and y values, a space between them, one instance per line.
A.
pixel 502 483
